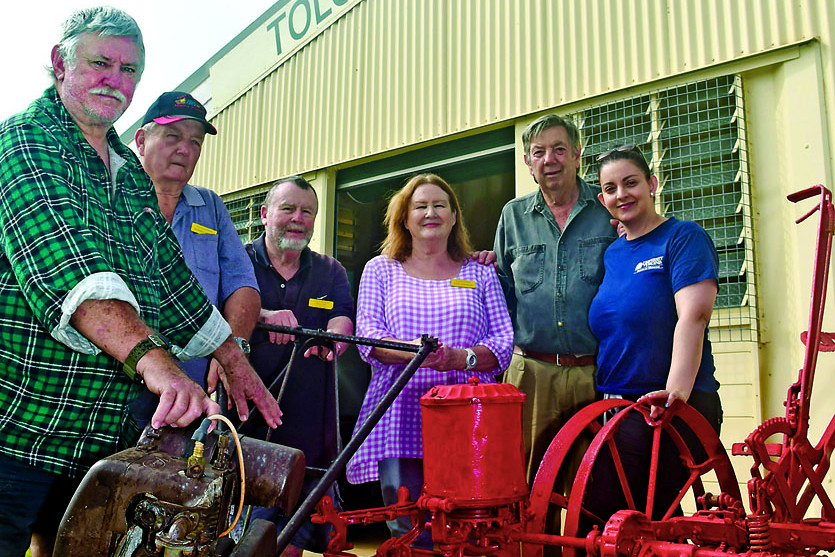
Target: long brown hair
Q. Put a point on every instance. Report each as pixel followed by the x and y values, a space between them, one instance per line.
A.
pixel 398 242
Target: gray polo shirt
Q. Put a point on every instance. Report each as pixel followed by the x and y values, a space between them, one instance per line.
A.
pixel 550 277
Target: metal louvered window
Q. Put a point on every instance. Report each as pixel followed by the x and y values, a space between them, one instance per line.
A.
pixel 693 137
pixel 246 213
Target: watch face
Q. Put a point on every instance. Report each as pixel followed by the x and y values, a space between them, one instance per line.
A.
pixel 243 345
pixel 471 359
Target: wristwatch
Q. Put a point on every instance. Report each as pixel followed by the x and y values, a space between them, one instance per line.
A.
pixel 143 347
pixel 472 360
pixel 243 344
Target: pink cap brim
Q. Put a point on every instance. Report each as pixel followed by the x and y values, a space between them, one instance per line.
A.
pixel 168 119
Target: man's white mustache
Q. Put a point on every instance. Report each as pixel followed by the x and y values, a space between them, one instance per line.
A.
pixel 108 91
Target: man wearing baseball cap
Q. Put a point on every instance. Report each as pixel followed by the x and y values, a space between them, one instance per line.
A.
pixel 169 144
pixel 175 106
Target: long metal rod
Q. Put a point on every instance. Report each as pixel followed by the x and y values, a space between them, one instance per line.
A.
pixel 427 345
pixel 318 333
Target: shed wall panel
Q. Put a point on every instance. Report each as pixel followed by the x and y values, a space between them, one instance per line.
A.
pixel 394 73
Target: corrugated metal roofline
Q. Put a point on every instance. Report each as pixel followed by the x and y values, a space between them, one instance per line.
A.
pixel 316 162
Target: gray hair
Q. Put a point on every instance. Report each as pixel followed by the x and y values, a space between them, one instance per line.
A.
pixel 104 21
pixel 150 127
pixel 297 181
pixel 546 122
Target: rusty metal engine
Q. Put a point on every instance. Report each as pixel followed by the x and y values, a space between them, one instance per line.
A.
pixel 164 498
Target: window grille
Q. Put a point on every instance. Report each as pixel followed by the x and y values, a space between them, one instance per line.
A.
pixel 246 213
pixel 693 137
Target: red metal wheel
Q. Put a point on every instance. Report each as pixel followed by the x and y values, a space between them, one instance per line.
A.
pixel 544 500
pixel 710 456
pixel 713 458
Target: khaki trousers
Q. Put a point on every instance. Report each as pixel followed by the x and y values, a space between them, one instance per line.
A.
pixel 554 394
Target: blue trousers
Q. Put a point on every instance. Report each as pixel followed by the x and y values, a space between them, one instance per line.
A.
pixel 408 472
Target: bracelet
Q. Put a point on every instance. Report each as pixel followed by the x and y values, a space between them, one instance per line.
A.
pixel 143 347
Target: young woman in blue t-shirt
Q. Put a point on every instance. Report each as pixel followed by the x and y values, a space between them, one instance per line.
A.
pixel 650 316
pixel 654 304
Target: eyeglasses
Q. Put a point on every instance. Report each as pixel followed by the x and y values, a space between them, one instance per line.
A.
pixel 621 149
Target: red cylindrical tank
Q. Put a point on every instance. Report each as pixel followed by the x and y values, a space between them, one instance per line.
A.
pixel 472 443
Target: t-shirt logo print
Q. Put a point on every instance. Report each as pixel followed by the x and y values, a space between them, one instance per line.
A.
pixel 653 264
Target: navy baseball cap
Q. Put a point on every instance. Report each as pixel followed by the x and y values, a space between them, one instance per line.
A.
pixel 175 106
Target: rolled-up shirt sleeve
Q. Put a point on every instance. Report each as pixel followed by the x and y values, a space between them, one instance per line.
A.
pixel 206 340
pixel 98 286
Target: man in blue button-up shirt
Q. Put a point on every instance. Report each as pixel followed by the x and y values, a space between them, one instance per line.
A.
pixel 549 249
pixel 169 144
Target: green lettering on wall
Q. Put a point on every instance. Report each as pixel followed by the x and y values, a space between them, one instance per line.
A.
pixel 274 25
pixel 297 35
pixel 319 16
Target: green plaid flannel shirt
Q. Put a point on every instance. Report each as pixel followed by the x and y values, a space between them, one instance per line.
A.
pixel 64 221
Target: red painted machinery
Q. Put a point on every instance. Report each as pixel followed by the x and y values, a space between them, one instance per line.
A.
pixel 476 498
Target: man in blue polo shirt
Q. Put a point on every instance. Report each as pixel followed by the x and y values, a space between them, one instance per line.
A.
pixel 169 144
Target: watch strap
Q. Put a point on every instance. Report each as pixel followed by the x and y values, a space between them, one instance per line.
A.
pixel 143 347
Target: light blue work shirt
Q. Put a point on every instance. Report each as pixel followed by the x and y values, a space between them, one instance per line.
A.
pixel 549 277
pixel 213 252
pixel 211 245
pixel 216 256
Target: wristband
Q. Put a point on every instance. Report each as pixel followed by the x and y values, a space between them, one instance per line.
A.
pixel 143 347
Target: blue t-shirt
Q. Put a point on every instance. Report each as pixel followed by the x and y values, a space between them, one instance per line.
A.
pixel 634 314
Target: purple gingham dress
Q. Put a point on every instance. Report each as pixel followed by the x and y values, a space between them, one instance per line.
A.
pixel 392 304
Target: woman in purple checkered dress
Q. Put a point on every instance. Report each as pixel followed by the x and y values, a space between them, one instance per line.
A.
pixel 423 283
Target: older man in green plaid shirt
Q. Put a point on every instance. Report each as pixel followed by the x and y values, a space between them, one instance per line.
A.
pixel 93 286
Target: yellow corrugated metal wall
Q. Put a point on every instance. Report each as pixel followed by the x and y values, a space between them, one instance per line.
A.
pixel 392 73
pixel 395 73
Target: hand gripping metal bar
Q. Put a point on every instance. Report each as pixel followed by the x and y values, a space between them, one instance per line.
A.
pixel 427 345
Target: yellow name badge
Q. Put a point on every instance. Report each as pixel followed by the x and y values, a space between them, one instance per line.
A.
pixel 200 229
pixel 321 304
pixel 458 283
